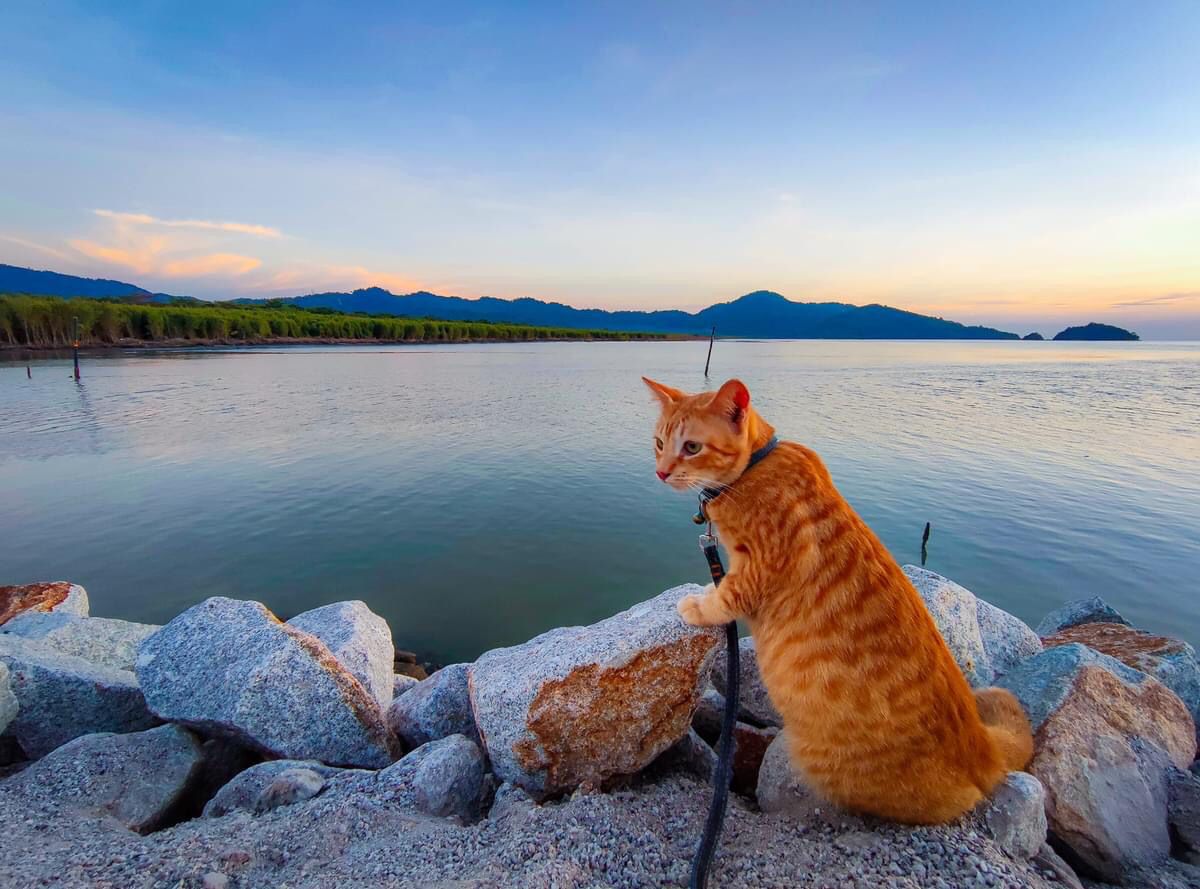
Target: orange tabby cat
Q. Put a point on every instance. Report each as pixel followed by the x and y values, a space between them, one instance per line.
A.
pixel 879 717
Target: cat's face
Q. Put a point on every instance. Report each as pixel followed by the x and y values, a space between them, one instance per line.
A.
pixel 700 440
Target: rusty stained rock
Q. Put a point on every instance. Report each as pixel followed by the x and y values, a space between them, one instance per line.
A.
pixel 648 702
pixel 59 595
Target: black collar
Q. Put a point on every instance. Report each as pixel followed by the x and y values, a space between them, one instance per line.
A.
pixel 709 494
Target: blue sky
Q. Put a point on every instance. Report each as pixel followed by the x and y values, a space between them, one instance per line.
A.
pixel 1023 165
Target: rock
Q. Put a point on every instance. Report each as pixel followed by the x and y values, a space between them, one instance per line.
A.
pixel 61 697
pixel 101 640
pixel 692 754
pixel 1183 815
pixel 750 746
pixel 55 596
pixel 140 779
pixel 224 760
pixel 1049 860
pixel 1007 640
pixel 1079 611
pixel 214 880
pixel 1105 739
pixel 1170 661
pixel 578 705
pixel 287 788
pixel 1015 815
pixel 954 610
pixel 754 704
pixel 780 791
pixel 445 777
pixel 511 801
pixel 8 700
pixel 434 708
pixel 709 714
pixel 402 683
pixel 359 639
pixel 231 668
pixel 243 793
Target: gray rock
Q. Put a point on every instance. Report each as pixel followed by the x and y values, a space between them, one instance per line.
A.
pixel 287 788
pixel 1049 860
pixel 577 705
pixel 359 639
pixel 140 778
pixel 445 777
pixel 693 754
pixel 510 802
pixel 1079 611
pixel 8 700
pixel 61 697
pixel 1183 814
pixel 434 708
pixel 754 704
pixel 954 610
pixel 402 683
pixel 782 792
pixel 1015 815
pixel 243 793
pixel 1007 640
pixel 710 712
pixel 101 640
pixel 232 668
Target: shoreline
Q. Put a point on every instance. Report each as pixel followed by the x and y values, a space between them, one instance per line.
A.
pixel 222 344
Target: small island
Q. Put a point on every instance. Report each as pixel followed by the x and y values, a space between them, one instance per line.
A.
pixel 1033 336
pixel 1097 332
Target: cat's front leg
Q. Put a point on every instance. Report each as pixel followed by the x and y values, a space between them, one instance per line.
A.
pixel 708 609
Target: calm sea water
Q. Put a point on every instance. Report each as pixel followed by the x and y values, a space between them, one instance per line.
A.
pixel 476 495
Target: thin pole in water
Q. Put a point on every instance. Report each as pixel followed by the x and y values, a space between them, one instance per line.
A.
pixel 712 337
pixel 925 545
pixel 75 340
pixel 28 372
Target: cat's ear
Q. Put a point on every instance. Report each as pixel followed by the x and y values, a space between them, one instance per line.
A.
pixel 732 399
pixel 665 394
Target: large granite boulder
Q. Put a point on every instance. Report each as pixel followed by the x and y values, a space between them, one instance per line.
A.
pixel 231 668
pixel 142 779
pixel 781 791
pixel 101 640
pixel 577 705
pixel 1015 815
pixel 1106 737
pixel 1007 640
pixel 359 639
pixel 54 596
pixel 434 708
pixel 1183 814
pixel 1170 661
pixel 8 700
pixel 754 704
pixel 444 778
pixel 954 610
pixel 266 786
pixel 1077 612
pixel 61 697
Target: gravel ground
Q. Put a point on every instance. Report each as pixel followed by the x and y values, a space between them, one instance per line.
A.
pixel 352 835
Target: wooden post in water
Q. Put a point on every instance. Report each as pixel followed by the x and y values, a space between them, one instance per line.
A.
pixel 925 545
pixel 75 341
pixel 712 337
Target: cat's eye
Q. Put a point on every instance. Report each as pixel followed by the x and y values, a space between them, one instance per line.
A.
pixel 692 447
pixel 658 444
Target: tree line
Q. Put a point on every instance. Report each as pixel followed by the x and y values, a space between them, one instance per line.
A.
pixel 43 321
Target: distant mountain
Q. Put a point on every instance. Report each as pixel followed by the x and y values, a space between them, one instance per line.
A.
pixel 14 279
pixel 762 314
pixel 1033 336
pixel 1097 332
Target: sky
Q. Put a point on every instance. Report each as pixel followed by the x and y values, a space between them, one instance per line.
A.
pixel 1022 165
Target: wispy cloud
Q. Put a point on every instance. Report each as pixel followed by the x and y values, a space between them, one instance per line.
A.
pixel 31 245
pixel 243 228
pixel 212 264
pixel 1166 299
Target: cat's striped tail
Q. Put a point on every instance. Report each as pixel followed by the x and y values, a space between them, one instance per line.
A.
pixel 1007 725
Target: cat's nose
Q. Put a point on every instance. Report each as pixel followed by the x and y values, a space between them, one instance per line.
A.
pixel 662 476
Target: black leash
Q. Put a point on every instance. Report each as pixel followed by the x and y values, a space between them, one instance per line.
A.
pixel 723 773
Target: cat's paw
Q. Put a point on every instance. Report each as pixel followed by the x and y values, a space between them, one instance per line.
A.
pixel 691 609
